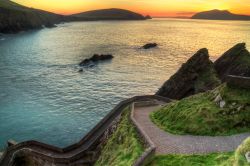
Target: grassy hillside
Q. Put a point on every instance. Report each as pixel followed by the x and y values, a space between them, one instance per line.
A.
pixel 222 111
pixel 214 159
pixel 124 147
pixel 236 158
pixel 15 17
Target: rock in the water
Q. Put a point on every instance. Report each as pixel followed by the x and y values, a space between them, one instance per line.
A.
pixel 149 45
pixel 236 61
pixel 96 58
pixel 196 75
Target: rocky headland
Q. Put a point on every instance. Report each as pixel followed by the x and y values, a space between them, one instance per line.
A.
pixel 15 17
pixel 200 74
pixel 195 76
pixel 236 61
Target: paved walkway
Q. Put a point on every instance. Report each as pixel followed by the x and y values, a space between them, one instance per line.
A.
pixel 167 143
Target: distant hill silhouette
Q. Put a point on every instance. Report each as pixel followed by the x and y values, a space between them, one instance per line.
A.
pixel 109 14
pixel 219 15
pixel 15 17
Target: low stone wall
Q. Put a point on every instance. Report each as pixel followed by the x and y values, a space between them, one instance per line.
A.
pixel 150 147
pixel 81 153
pixel 238 81
pixel 146 103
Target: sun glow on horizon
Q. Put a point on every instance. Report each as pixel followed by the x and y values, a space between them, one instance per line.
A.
pixel 153 8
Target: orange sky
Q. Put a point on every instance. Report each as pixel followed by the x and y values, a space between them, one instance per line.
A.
pixel 153 7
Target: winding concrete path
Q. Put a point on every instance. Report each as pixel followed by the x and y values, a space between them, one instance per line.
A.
pixel 167 143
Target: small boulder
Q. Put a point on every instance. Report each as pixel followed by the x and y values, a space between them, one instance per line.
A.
pixel 218 99
pixel 11 142
pixel 149 45
pixel 222 104
pixel 247 155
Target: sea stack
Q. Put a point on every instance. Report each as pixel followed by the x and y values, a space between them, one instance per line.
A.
pixel 235 61
pixel 195 76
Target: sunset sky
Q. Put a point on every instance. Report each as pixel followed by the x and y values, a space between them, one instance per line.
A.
pixel 170 8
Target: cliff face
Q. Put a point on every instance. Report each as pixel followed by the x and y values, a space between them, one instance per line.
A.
pixel 15 17
pixel 236 61
pixel 109 14
pixel 219 15
pixel 199 74
pixel 196 75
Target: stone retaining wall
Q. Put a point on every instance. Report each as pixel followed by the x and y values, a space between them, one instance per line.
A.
pixel 149 145
pixel 79 153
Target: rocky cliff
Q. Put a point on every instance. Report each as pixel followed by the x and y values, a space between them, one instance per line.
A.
pixel 196 75
pixel 15 17
pixel 199 74
pixel 236 61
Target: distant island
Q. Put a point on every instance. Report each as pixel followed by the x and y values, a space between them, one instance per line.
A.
pixel 110 14
pixel 15 17
pixel 219 15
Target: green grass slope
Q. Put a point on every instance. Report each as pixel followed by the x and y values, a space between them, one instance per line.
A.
pixel 214 159
pixel 123 147
pixel 236 158
pixel 203 114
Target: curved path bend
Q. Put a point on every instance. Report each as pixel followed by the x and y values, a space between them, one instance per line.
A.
pixel 167 143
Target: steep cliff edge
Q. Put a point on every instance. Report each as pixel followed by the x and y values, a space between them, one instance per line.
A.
pixel 236 61
pixel 196 75
pixel 200 74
